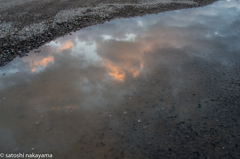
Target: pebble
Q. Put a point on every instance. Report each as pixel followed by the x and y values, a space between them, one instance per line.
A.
pixel 37 51
pixel 125 112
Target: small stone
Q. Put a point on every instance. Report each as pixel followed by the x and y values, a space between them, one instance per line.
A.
pixel 37 51
pixel 32 149
pixel 145 128
pixel 139 120
pixel 125 112
pixel 37 123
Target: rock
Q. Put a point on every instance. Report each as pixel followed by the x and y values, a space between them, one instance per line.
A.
pixel 37 51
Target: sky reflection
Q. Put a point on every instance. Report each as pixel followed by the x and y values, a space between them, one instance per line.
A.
pixel 125 63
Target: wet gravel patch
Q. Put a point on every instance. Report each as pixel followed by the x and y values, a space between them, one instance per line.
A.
pixel 17 42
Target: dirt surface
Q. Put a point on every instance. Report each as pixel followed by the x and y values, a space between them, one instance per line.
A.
pixel 28 24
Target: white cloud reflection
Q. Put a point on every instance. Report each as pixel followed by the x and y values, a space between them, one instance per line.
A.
pixel 120 48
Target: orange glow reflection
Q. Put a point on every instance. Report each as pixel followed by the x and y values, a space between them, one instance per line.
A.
pixel 42 63
pixel 115 72
pixel 118 72
pixel 66 45
pixel 136 73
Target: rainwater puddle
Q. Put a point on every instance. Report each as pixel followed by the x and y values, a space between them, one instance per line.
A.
pixel 122 89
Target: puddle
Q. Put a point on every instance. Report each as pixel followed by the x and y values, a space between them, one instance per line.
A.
pixel 123 89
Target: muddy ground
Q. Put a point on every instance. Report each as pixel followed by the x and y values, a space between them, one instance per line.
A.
pixel 25 25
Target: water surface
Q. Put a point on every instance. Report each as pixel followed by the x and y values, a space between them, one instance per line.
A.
pixel 82 96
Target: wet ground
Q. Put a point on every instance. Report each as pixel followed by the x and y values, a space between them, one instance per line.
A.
pixel 157 86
